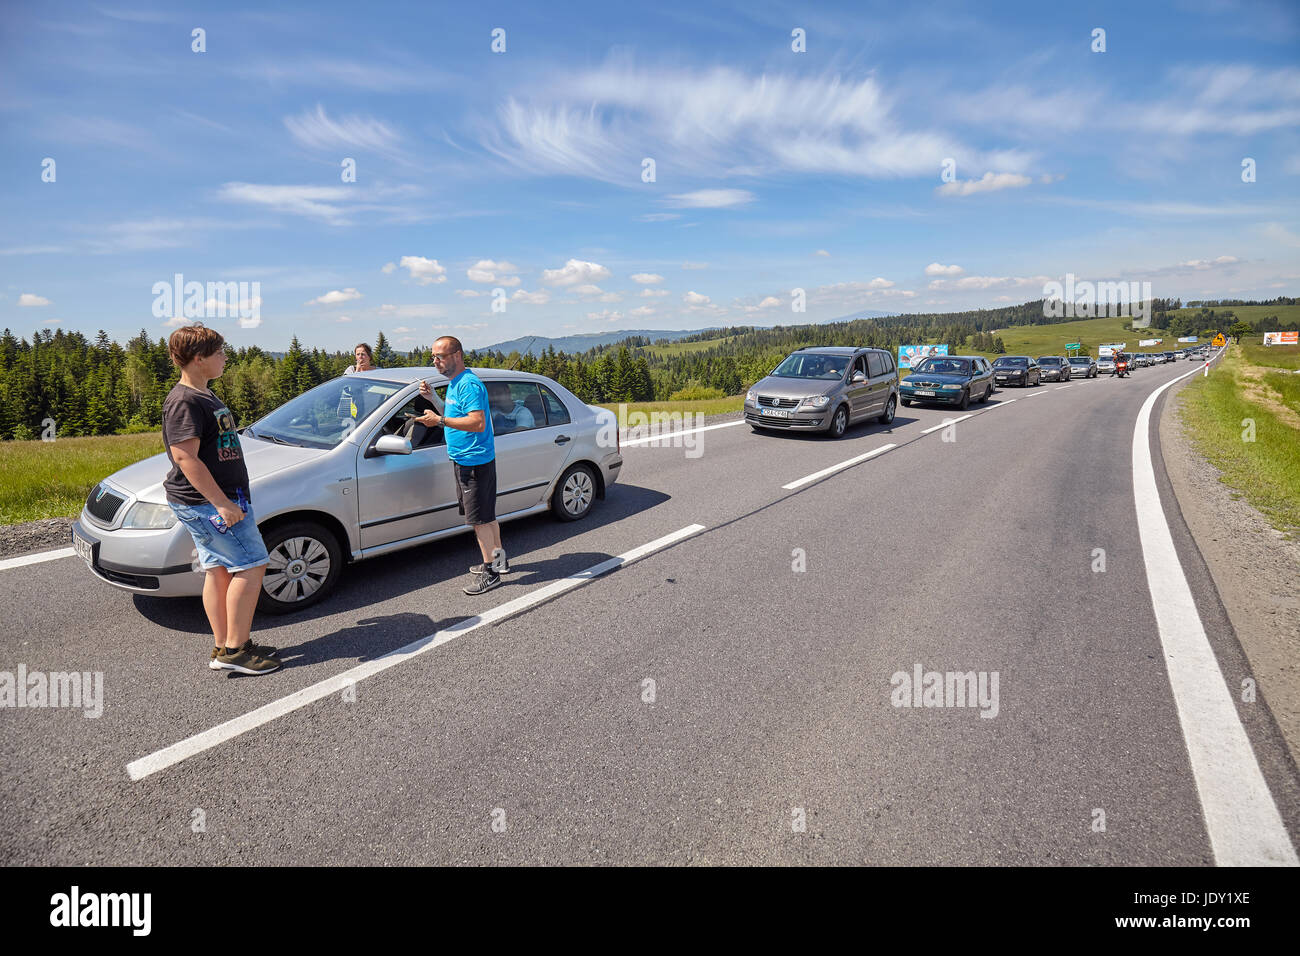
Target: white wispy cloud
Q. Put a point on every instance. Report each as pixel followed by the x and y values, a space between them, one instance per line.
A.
pixel 29 299
pixel 989 182
pixel 575 272
pixel 646 278
pixel 712 198
pixel 315 129
pixel 936 269
pixel 335 297
pixel 541 297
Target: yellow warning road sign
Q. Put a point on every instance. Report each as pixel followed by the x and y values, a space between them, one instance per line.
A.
pixel 1219 341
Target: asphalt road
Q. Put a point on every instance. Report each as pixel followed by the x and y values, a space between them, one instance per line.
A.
pixel 538 739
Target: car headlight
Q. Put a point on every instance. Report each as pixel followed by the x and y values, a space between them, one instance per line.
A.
pixel 954 387
pixel 149 516
pixel 817 401
pixel 751 397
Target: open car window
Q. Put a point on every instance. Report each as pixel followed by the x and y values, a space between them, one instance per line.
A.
pixel 421 436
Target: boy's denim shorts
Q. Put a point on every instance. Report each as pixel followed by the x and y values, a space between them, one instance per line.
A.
pixel 239 549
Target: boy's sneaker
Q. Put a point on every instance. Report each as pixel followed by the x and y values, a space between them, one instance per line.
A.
pixel 499 563
pixel 243 661
pixel 261 650
pixel 485 579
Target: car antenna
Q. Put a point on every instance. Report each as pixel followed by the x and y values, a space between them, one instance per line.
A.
pixel 522 354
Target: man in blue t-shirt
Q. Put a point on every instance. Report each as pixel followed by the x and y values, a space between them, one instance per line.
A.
pixel 467 428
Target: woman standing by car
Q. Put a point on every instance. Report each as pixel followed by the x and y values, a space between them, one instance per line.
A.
pixel 365 360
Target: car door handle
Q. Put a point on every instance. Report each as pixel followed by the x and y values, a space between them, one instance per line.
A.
pixel 562 439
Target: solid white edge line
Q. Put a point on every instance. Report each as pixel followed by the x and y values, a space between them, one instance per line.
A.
pixel 668 436
pixel 945 424
pixel 206 740
pixel 834 468
pixel 1243 823
pixel 26 559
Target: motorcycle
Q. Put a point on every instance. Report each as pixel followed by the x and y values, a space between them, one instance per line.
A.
pixel 1121 367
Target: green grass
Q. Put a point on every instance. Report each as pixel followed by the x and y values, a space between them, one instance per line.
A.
pixel 1250 314
pixel 683 348
pixel 1273 356
pixel 1267 470
pixel 1039 340
pixel 707 406
pixel 51 479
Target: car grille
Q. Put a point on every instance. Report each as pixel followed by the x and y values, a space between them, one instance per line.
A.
pixel 102 504
pixel 767 401
pixel 920 384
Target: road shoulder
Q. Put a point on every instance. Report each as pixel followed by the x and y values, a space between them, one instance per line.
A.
pixel 1254 567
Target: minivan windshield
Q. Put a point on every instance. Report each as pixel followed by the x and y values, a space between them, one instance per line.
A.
pixel 324 416
pixel 813 365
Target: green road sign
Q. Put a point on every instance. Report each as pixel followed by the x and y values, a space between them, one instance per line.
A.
pixel 1073 345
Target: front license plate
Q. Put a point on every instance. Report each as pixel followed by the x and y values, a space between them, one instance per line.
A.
pixel 924 391
pixel 1002 378
pixel 84 548
pixel 775 412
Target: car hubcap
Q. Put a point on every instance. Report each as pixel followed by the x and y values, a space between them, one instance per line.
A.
pixel 577 493
pixel 297 569
pixel 839 420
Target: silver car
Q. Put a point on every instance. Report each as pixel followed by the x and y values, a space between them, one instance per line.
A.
pixel 343 472
pixel 825 389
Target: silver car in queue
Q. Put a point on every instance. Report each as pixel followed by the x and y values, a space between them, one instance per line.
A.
pixel 342 473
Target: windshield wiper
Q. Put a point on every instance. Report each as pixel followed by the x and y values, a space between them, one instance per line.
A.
pixel 277 439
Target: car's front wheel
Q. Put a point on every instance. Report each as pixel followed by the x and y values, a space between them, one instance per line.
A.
pixel 965 399
pixel 839 422
pixel 305 563
pixel 887 415
pixel 574 494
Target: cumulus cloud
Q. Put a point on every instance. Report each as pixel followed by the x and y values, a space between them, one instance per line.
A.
pixel 335 297
pixel 642 310
pixel 493 273
pixel 541 297
pixel 935 269
pixel 694 298
pixel 607 315
pixel 575 272
pixel 647 278
pixel 423 271
pixel 989 182
pixel 469 293
pixel 27 298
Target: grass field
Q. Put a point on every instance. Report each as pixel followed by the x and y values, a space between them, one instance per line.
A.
pixel 1253 313
pixel 51 479
pixel 682 348
pixel 1217 412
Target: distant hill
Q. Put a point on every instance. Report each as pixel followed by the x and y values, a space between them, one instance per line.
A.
pixel 575 344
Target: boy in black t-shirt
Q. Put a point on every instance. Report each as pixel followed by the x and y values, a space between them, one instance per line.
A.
pixel 207 489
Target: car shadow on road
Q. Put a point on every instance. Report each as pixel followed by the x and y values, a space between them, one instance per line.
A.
pixel 448 560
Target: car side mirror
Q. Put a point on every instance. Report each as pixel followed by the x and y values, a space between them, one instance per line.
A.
pixel 858 378
pixel 392 445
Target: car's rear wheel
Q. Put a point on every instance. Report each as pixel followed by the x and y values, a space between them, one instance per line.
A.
pixel 887 415
pixel 965 399
pixel 574 494
pixel 305 563
pixel 839 422
pixel 988 390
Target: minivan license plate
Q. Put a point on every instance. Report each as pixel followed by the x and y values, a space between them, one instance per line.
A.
pixel 775 412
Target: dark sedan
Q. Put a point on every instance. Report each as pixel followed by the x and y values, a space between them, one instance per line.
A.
pixel 1055 368
pixel 1017 370
pixel 949 379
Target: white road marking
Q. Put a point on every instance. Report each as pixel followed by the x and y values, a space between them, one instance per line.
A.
pixel 668 436
pixel 1059 387
pixel 834 468
pixel 1001 402
pixel 168 756
pixel 1035 394
pixel 1243 822
pixel 26 559
pixel 946 423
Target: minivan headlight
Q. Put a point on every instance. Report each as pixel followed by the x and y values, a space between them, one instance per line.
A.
pixel 817 401
pixel 149 516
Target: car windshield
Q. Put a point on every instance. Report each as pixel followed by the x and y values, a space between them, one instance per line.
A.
pixel 1013 360
pixel 813 365
pixel 1080 361
pixel 1048 360
pixel 944 366
pixel 324 416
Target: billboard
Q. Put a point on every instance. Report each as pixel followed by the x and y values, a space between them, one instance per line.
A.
pixel 1282 338
pixel 909 356
pixel 1111 349
pixel 1143 343
pixel 1188 338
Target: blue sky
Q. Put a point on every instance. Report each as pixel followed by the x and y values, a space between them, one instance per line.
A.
pixel 522 171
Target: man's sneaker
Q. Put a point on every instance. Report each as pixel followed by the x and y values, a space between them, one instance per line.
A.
pixel 243 661
pixel 499 563
pixel 261 650
pixel 484 580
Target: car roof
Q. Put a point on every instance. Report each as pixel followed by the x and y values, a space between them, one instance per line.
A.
pixel 408 376
pixel 838 349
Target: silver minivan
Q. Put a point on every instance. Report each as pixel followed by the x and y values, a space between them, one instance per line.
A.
pixel 343 472
pixel 826 389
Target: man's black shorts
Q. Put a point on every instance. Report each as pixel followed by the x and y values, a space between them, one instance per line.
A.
pixel 476 490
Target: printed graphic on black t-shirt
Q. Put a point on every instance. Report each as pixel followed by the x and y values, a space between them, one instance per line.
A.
pixel 189 413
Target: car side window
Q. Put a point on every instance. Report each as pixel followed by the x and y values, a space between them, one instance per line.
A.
pixel 515 407
pixel 888 359
pixel 875 365
pixel 860 365
pixel 421 435
pixel 556 413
